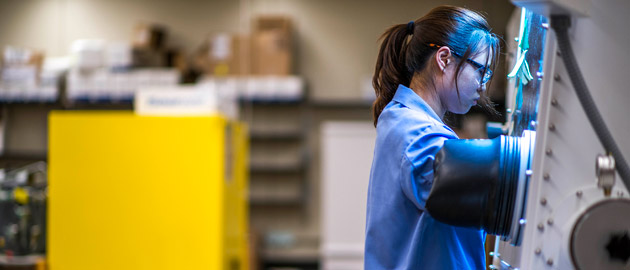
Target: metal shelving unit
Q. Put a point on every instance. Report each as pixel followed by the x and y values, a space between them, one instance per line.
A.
pixel 277 128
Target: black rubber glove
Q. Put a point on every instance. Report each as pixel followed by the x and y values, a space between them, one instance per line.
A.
pixel 466 175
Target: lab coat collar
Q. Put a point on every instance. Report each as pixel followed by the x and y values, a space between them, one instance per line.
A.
pixel 410 99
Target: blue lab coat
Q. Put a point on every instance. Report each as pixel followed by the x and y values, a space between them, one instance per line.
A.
pixel 400 234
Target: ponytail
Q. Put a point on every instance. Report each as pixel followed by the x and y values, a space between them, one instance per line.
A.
pixel 390 68
pixel 405 50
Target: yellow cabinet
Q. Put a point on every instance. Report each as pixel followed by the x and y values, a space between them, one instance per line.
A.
pixel 140 192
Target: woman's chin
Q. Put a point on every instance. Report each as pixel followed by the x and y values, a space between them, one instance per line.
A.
pixel 462 110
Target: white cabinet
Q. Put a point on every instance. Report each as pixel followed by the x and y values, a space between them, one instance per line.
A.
pixel 346 157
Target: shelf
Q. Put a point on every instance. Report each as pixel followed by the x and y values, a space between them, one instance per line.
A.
pixel 276 136
pixel 23 156
pixel 21 262
pixel 316 104
pixel 341 104
pixel 29 101
pixel 304 257
pixel 253 168
pixel 100 106
pixel 274 201
pixel 102 100
pixel 83 104
pixel 271 102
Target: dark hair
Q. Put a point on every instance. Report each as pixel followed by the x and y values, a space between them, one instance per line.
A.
pixel 402 53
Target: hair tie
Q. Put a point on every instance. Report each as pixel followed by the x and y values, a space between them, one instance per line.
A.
pixel 410 28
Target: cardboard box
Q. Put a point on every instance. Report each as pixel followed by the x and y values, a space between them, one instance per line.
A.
pixel 272 52
pixel 241 55
pixel 224 54
pixel 147 57
pixel 151 36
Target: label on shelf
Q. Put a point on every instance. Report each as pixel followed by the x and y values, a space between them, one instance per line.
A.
pixel 175 101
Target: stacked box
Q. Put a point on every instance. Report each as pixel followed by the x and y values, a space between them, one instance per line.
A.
pixel 225 54
pixel 272 46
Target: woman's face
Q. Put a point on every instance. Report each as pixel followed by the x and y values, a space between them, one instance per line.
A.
pixel 469 83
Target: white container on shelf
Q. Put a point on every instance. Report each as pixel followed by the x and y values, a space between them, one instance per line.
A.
pixel 88 53
pixel 292 88
pixel 119 56
pixel 106 85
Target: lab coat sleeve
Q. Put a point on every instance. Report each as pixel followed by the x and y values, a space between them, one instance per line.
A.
pixel 416 176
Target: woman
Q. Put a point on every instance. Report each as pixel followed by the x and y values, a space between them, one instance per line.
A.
pixel 437 64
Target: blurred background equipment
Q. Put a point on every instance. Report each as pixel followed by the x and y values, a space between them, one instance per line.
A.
pixel 23 202
pixel 287 69
pixel 23 210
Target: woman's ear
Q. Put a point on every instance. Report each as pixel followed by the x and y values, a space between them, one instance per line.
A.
pixel 443 57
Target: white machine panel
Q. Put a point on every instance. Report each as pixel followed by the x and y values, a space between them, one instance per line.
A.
pixel 563 185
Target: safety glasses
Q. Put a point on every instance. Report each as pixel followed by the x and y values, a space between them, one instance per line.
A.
pixel 487 73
